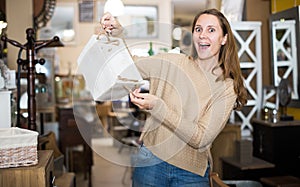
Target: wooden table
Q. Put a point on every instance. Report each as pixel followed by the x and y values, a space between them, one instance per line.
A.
pixel 40 175
pixel 235 170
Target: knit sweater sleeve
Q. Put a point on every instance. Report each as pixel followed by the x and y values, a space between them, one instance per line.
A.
pixel 199 133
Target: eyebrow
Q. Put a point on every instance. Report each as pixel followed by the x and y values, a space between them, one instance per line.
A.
pixel 207 26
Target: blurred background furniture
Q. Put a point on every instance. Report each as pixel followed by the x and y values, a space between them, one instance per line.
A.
pixel 216 181
pixel 62 178
pixel 281 181
pixel 75 133
pixel 67 179
pixel 224 146
pixel 103 110
pixel 233 169
pixel 48 142
pixel 279 144
pixel 242 183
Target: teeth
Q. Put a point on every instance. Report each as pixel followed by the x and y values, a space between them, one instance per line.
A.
pixel 204 45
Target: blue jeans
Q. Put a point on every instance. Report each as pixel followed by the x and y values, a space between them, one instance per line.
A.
pixel 151 171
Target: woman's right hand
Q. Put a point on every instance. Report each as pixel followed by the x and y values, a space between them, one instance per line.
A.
pixel 144 101
pixel 111 25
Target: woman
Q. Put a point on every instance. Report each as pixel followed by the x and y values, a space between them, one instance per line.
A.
pixel 189 101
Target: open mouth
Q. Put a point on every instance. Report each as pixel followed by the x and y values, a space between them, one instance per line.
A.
pixel 204 46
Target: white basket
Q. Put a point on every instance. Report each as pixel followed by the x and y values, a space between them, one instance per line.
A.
pixel 18 147
pixel 108 69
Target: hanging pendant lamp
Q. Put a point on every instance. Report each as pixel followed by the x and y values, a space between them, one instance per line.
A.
pixel 115 7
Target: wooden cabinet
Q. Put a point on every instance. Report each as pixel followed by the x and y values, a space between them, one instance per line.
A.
pixel 40 175
pixel 278 143
pixel 75 131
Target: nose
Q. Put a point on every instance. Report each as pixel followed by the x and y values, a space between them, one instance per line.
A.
pixel 202 34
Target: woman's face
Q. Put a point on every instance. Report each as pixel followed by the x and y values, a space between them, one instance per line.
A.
pixel 208 37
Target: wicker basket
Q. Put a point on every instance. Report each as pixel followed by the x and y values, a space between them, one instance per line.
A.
pixel 18 147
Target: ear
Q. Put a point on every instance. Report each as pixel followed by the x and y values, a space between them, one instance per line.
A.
pixel 224 40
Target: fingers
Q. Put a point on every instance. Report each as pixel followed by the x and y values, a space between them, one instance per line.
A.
pixel 143 100
pixel 106 17
pixel 138 99
pixel 136 93
pixel 111 25
pixel 107 22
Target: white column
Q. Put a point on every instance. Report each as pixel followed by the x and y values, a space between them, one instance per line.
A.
pixel 5 114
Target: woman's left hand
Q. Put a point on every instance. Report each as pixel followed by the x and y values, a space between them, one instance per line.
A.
pixel 111 25
pixel 143 100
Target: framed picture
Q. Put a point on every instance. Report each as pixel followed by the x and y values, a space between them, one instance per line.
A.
pixel 141 21
pixel 86 11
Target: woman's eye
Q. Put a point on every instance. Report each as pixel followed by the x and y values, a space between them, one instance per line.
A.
pixel 198 29
pixel 211 30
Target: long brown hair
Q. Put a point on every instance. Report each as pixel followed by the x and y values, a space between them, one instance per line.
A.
pixel 228 57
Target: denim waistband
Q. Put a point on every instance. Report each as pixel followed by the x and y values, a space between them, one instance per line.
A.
pixel 144 157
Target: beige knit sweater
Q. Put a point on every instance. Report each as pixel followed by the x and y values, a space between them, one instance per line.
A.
pixel 192 110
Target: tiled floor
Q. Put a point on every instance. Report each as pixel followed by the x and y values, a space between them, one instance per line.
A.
pixel 109 168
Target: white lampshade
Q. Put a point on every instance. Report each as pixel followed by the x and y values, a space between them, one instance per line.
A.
pixel 115 7
pixel 3 25
pixel 177 33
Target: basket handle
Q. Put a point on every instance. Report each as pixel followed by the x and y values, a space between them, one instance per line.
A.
pixel 108 37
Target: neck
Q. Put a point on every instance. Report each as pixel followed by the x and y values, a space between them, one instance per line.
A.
pixel 209 66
